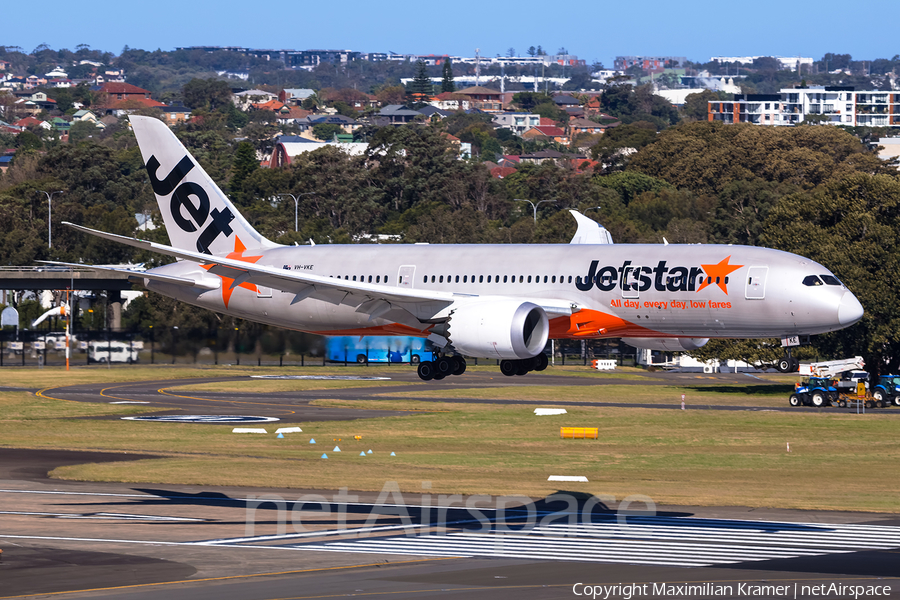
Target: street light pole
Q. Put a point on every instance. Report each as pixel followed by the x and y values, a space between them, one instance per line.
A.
pixel 296 204
pixel 533 205
pixel 49 214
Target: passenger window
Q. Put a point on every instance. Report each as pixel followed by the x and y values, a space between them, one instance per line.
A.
pixel 481 279
pixel 522 278
pixel 457 279
pixel 385 278
pixel 545 279
pixel 370 279
pixel 378 278
pixel 812 281
pixel 553 279
pixel 529 279
pixel 432 279
pixel 489 278
pixel 570 279
pixel 425 279
pixel 504 278
pixel 441 280
pixel 464 279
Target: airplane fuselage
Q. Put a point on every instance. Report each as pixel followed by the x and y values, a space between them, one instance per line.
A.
pixel 618 290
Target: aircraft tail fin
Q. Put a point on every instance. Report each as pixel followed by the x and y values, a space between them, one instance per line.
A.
pixel 197 214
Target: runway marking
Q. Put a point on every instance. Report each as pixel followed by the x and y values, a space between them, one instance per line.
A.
pixel 648 541
pixel 101 515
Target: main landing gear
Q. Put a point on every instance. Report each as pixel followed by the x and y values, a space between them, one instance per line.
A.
pixel 440 368
pixel 520 367
pixel 788 364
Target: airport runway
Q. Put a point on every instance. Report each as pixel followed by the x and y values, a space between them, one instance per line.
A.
pixel 89 540
pixel 295 406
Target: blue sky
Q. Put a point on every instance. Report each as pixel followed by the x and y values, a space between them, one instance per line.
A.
pixel 592 30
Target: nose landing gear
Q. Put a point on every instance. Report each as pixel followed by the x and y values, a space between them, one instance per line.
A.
pixel 788 364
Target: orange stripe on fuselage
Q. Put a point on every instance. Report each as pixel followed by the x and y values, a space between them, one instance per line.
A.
pixel 589 323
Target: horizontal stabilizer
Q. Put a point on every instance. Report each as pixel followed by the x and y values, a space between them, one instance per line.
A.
pixel 185 281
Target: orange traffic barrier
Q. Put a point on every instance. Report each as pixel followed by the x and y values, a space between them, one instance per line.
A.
pixel 579 433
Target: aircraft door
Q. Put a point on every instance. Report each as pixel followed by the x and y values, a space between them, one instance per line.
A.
pixel 405 276
pixel 756 283
pixel 631 281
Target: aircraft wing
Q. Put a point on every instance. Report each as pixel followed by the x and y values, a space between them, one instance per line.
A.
pixel 372 299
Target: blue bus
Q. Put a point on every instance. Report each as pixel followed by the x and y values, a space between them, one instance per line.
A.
pixel 378 349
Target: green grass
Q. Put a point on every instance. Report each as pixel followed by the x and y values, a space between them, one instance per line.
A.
pixel 729 395
pixel 838 461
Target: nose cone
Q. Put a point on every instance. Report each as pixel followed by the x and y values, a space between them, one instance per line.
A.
pixel 850 310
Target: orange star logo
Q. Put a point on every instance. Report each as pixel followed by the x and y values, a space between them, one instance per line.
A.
pixel 227 282
pixel 718 273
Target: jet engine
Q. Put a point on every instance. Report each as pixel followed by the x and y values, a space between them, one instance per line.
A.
pixel 505 329
pixel 666 344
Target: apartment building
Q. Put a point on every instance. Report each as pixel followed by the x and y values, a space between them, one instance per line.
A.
pixel 833 105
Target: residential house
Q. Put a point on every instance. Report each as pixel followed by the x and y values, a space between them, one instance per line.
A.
pixel 517 122
pixel 483 98
pixel 85 115
pixel 502 172
pixel 123 98
pixel 565 101
pixel 552 156
pixel 434 113
pixel 578 126
pixel 294 95
pixel 32 122
pixel 176 114
pixel 451 101
pixel 347 124
pixel 397 114
pixel 547 132
pixel 5 65
pixel 244 99
pixel 6 160
pixel 291 115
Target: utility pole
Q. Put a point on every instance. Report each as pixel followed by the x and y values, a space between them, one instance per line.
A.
pixel 477 66
pixel 49 214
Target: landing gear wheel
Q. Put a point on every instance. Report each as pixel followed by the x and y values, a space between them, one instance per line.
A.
pixel 508 367
pixel 524 367
pixel 543 361
pixel 459 365
pixel 794 400
pixel 438 376
pixel 795 365
pixel 818 399
pixel 784 365
pixel 444 366
pixel 425 370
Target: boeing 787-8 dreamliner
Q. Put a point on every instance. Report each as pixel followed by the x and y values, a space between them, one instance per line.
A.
pixel 501 301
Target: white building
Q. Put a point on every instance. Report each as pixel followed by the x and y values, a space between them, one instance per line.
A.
pixel 833 105
pixel 787 62
pixel 516 122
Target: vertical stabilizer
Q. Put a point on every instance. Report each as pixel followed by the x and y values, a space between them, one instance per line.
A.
pixel 197 214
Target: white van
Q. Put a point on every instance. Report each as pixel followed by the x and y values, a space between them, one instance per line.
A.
pixel 103 352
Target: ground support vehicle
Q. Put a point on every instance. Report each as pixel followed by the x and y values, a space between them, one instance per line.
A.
pixel 887 390
pixel 815 391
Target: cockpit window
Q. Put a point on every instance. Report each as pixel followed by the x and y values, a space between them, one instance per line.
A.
pixel 830 279
pixel 812 280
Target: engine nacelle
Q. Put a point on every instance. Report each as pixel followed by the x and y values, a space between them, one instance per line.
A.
pixel 666 344
pixel 505 329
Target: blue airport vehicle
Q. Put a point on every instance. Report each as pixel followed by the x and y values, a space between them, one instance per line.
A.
pixel 378 349
pixel 816 391
pixel 887 391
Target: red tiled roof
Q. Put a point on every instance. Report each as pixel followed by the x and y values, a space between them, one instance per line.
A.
pixel 27 121
pixel 550 130
pixel 273 105
pixel 501 172
pixel 546 121
pixel 115 87
pixel 127 102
